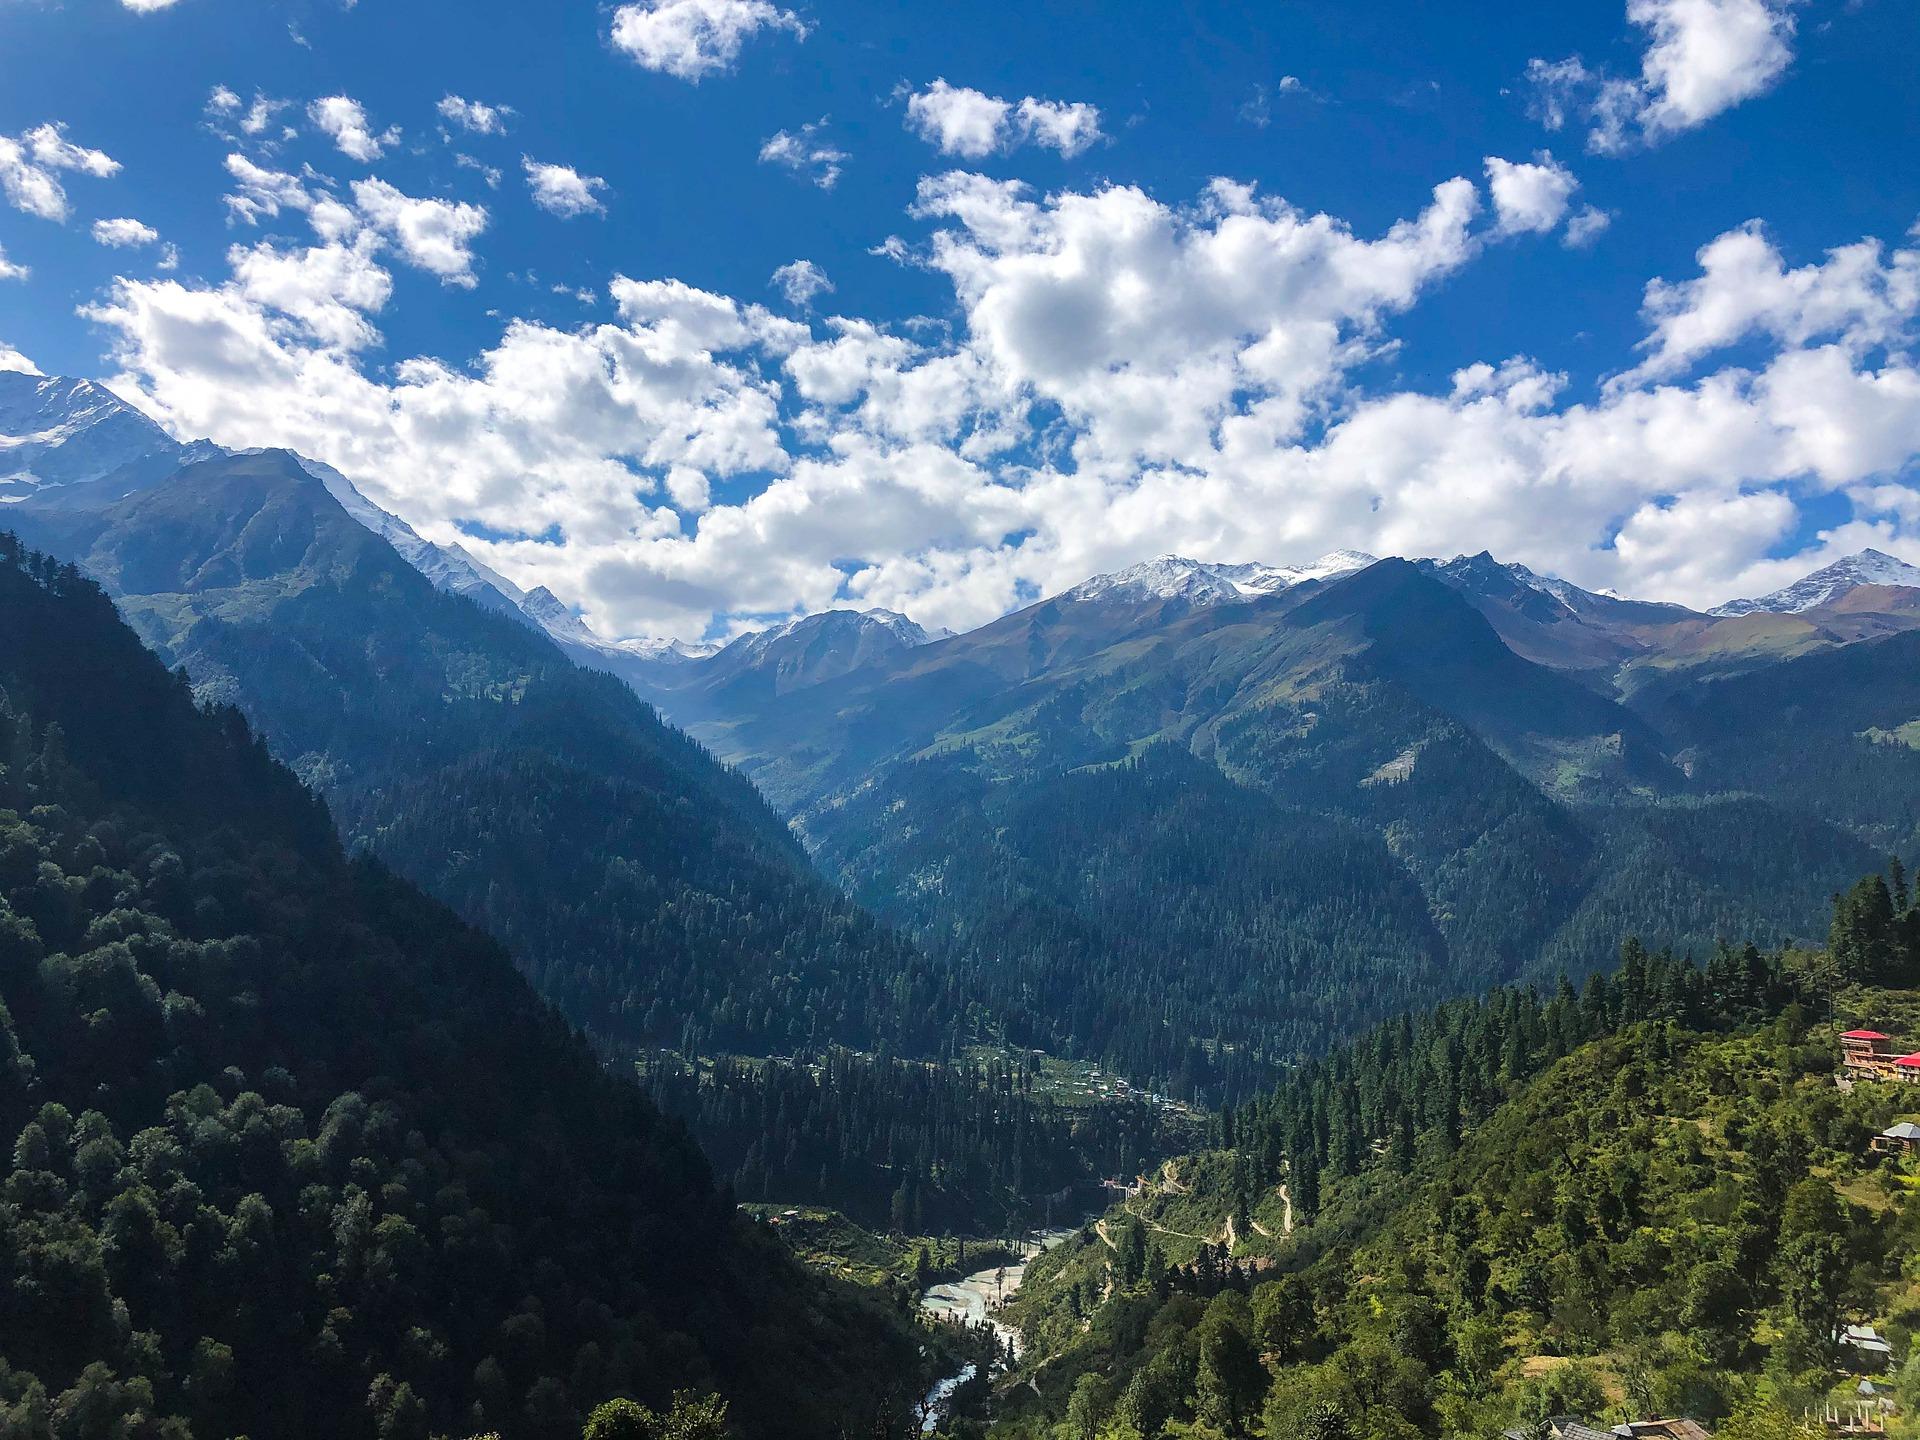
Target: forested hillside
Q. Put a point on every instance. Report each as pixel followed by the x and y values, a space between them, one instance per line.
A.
pixel 1281 820
pixel 973 1148
pixel 294 1151
pixel 646 890
pixel 1645 1197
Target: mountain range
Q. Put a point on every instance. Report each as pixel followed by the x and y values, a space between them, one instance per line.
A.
pixel 646 889
pixel 1187 818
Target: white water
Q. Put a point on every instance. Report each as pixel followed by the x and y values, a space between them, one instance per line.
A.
pixel 974 1301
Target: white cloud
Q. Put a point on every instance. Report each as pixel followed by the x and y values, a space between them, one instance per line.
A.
pixel 1587 226
pixel 12 360
pixel 692 39
pixel 971 124
pixel 9 270
pixel 1121 377
pixel 1529 196
pixel 261 193
pixel 1068 127
pixel 344 121
pixel 802 282
pixel 1258 108
pixel 1859 298
pixel 435 235
pixel 472 116
pixel 957 120
pixel 432 235
pixel 123 233
pixel 147 7
pixel 222 101
pixel 805 153
pixel 28 164
pixel 689 489
pixel 1703 57
pixel 489 173
pixel 1144 323
pixel 562 191
pixel 329 290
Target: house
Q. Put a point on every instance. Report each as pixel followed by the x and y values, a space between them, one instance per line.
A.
pixel 1560 1427
pixel 1868 1055
pixel 1870 1348
pixel 1673 1429
pixel 1901 1139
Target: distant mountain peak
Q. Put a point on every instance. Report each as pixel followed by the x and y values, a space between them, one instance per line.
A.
pixel 1864 567
pixel 876 621
pixel 668 650
pixel 55 430
pixel 1169 577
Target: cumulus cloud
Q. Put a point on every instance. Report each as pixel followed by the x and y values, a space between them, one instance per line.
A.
pixel 344 121
pixel 563 191
pixel 960 121
pixel 692 39
pixel 1587 226
pixel 9 270
pixel 802 282
pixel 1703 57
pixel 329 290
pixel 806 153
pixel 1529 196
pixel 12 360
pixel 429 234
pixel 29 164
pixel 474 117
pixel 260 193
pixel 435 235
pixel 1121 376
pixel 1859 298
pixel 254 122
pixel 147 7
pixel 123 233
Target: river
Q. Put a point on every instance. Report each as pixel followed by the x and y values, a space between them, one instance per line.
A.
pixel 974 1301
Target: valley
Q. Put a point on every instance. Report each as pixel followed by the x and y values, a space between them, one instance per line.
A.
pixel 1115 901
pixel 811 720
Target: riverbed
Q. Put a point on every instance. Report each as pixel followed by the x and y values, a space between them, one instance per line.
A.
pixel 976 1301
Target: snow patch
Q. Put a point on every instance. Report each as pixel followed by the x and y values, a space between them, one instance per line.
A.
pixel 1868 567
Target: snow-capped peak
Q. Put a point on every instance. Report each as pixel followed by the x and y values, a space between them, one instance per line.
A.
pixel 1867 567
pixel 889 622
pixel 668 651
pixel 59 431
pixel 1163 578
pixel 1169 577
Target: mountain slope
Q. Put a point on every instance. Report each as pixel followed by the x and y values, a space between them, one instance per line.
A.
pixel 1647 1199
pixel 1867 567
pixel 759 669
pixel 294 1152
pixel 1258 823
pixel 1148 913
pixel 644 886
pixel 56 432
pixel 1835 732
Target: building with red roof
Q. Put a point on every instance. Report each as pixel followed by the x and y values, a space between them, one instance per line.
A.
pixel 1873 1055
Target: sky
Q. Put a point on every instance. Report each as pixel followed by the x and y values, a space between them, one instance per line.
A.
pixel 704 313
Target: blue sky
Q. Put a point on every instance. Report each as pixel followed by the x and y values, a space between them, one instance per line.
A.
pixel 1125 357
